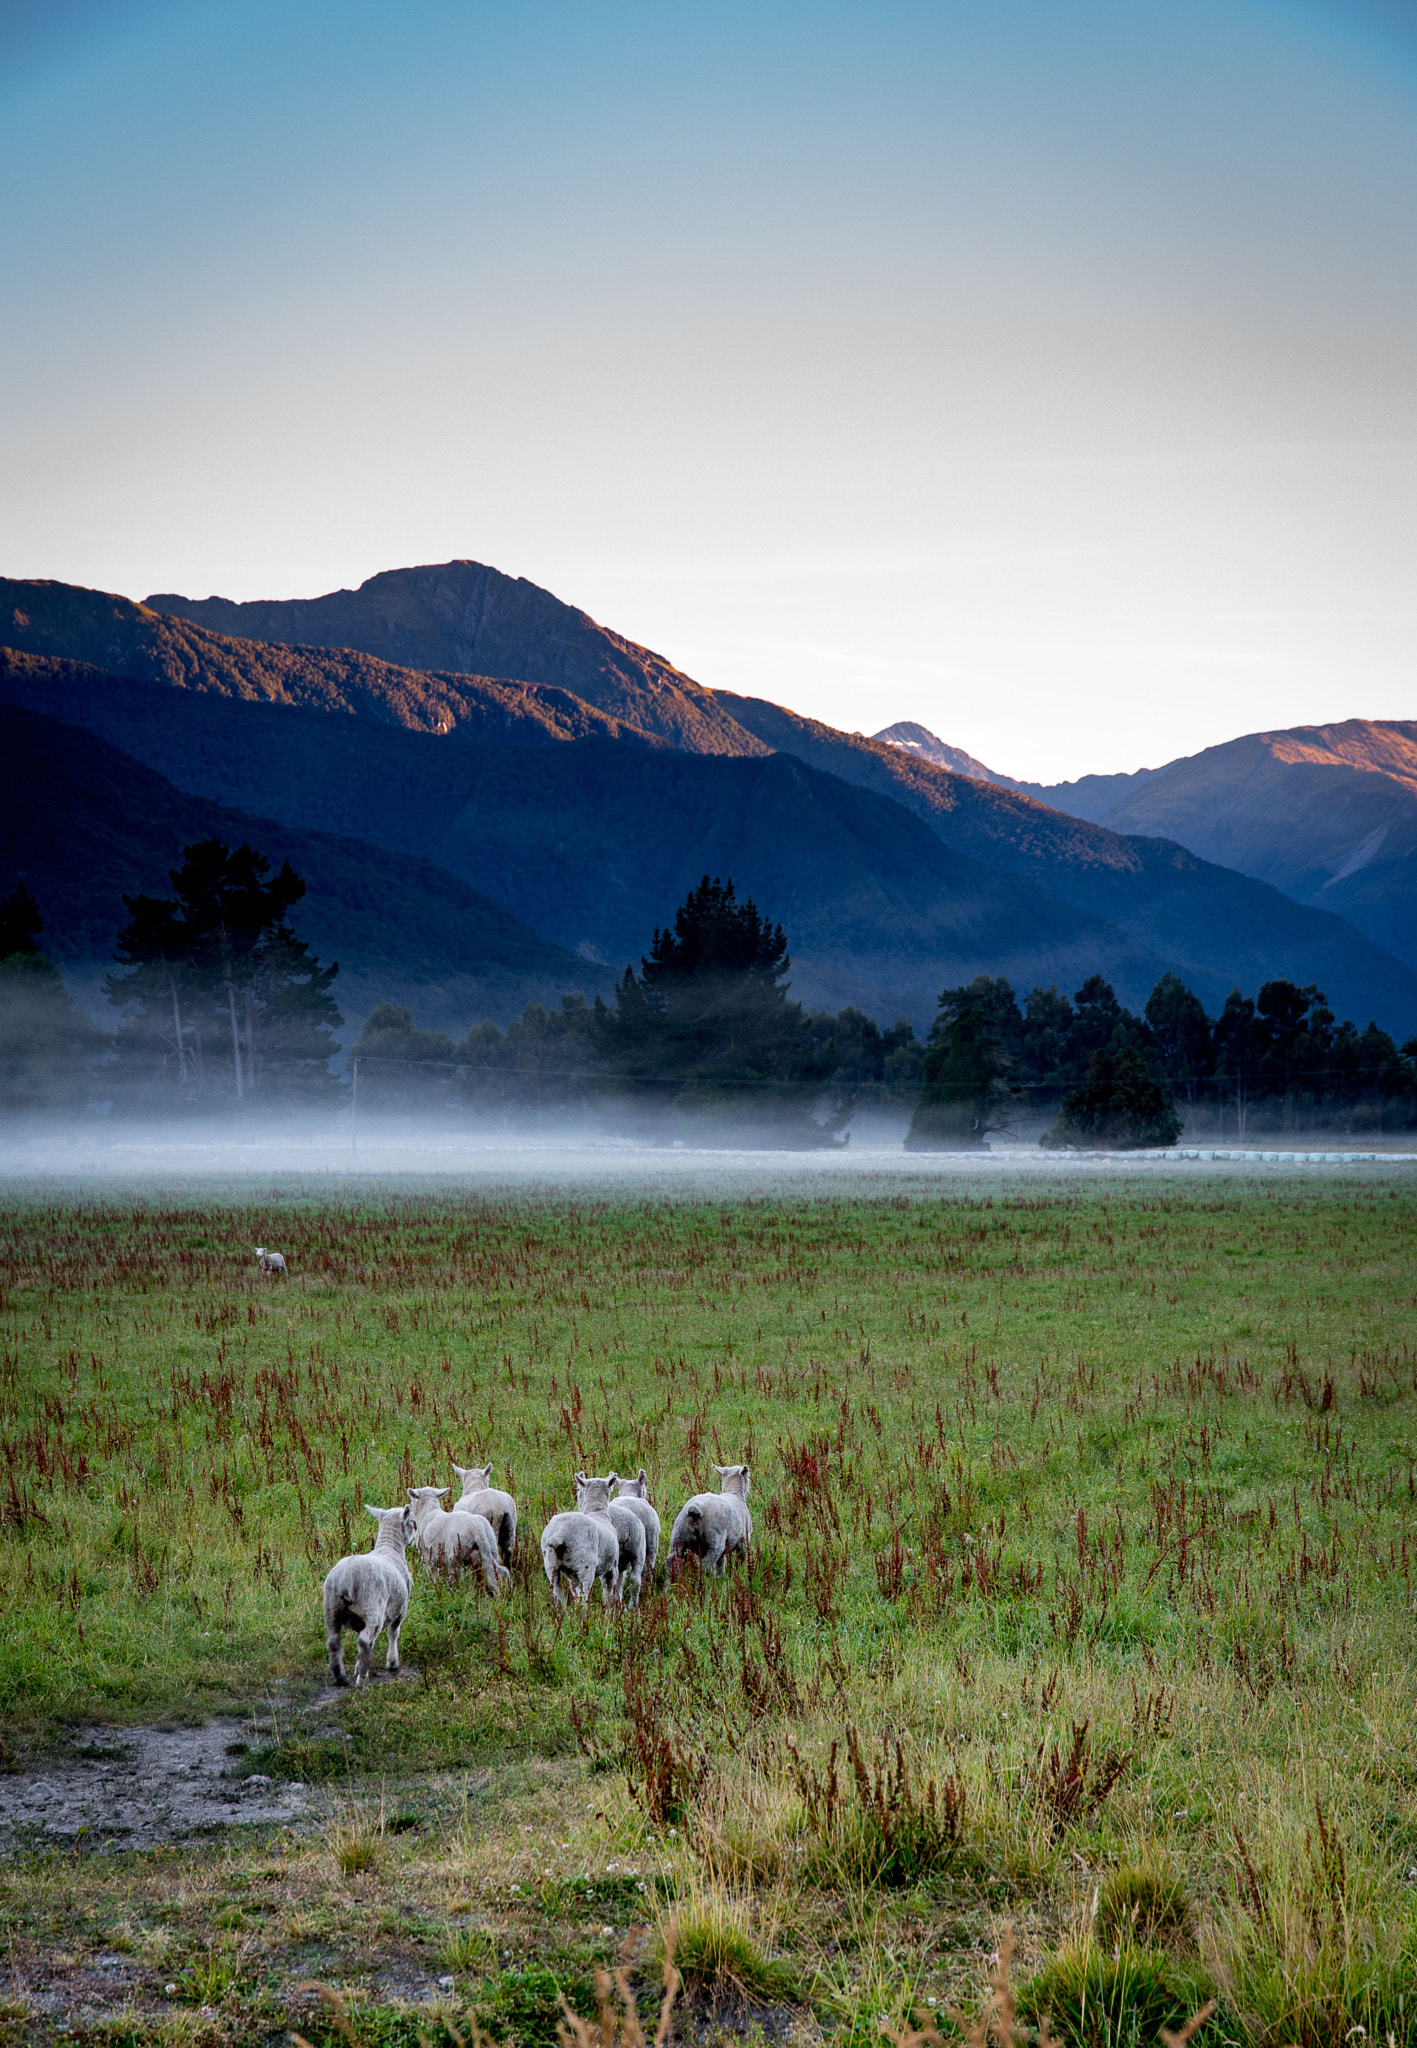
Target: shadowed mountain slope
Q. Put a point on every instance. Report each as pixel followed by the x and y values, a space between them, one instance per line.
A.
pixel 463 616
pixel 120 638
pixel 594 844
pixel 1326 813
pixel 81 823
pixel 1224 927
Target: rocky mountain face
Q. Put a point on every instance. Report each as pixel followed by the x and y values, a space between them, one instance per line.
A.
pixel 1222 926
pixel 1326 813
pixel 82 823
pixel 927 746
pixel 466 618
pixel 113 636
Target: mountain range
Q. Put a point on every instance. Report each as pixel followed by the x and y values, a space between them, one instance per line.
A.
pixel 581 783
pixel 1327 813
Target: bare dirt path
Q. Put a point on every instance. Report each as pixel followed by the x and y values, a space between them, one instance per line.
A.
pixel 126 1788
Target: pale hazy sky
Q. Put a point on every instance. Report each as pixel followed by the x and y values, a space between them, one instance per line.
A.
pixel 1045 373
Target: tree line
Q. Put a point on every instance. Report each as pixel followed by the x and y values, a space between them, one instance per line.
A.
pixel 220 1006
pixel 1277 1060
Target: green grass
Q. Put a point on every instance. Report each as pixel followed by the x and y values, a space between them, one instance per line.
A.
pixel 1080 1598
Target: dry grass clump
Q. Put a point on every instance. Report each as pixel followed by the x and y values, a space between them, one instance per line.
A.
pixel 355 1845
pixel 722 1938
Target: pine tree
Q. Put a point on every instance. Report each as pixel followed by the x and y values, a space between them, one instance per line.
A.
pixel 707 1030
pixel 223 1003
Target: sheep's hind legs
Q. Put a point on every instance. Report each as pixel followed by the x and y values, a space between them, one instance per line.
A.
pixel 391 1662
pixel 335 1645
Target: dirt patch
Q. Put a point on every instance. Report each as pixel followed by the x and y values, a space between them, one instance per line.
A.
pixel 125 1788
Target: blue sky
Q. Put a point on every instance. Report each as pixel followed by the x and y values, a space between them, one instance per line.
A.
pixel 1042 373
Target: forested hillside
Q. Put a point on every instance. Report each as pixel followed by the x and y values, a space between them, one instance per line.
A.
pixel 82 823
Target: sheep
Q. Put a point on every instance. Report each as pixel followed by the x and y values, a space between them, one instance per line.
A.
pixel 270 1263
pixel 369 1592
pixel 634 1494
pixel 450 1540
pixel 478 1498
pixel 629 1530
pixel 583 1546
pixel 712 1525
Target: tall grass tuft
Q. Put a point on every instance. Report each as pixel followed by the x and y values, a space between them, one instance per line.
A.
pixel 882 1821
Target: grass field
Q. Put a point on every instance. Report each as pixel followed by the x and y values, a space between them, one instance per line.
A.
pixel 1080 1610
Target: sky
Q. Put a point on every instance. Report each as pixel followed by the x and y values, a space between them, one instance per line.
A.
pixel 1043 373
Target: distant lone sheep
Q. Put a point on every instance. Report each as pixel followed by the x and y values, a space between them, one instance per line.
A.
pixel 634 1495
pixel 629 1531
pixel 713 1525
pixel 369 1593
pixel 479 1498
pixel 270 1262
pixel 451 1540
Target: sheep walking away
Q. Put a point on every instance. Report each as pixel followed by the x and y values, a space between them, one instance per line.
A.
pixel 634 1495
pixel 712 1526
pixel 579 1548
pixel 480 1497
pixel 369 1593
pixel 593 1498
pixel 450 1539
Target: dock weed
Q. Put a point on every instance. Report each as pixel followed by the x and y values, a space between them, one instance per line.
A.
pixel 1080 1594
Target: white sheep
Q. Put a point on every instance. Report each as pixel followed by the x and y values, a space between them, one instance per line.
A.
pixel 629 1531
pixel 634 1495
pixel 713 1525
pixel 369 1593
pixel 270 1262
pixel 447 1540
pixel 481 1498
pixel 583 1546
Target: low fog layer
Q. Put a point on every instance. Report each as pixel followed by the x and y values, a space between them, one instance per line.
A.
pixel 150 1158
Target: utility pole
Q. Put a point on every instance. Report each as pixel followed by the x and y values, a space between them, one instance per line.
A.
pixel 354 1109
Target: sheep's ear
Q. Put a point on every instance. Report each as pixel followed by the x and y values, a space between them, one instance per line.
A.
pixel 580 1479
pixel 644 1477
pixel 723 1470
pixel 461 1470
pixel 612 1478
pixel 377 1513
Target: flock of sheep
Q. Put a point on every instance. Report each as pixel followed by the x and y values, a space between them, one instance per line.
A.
pixel 612 1535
